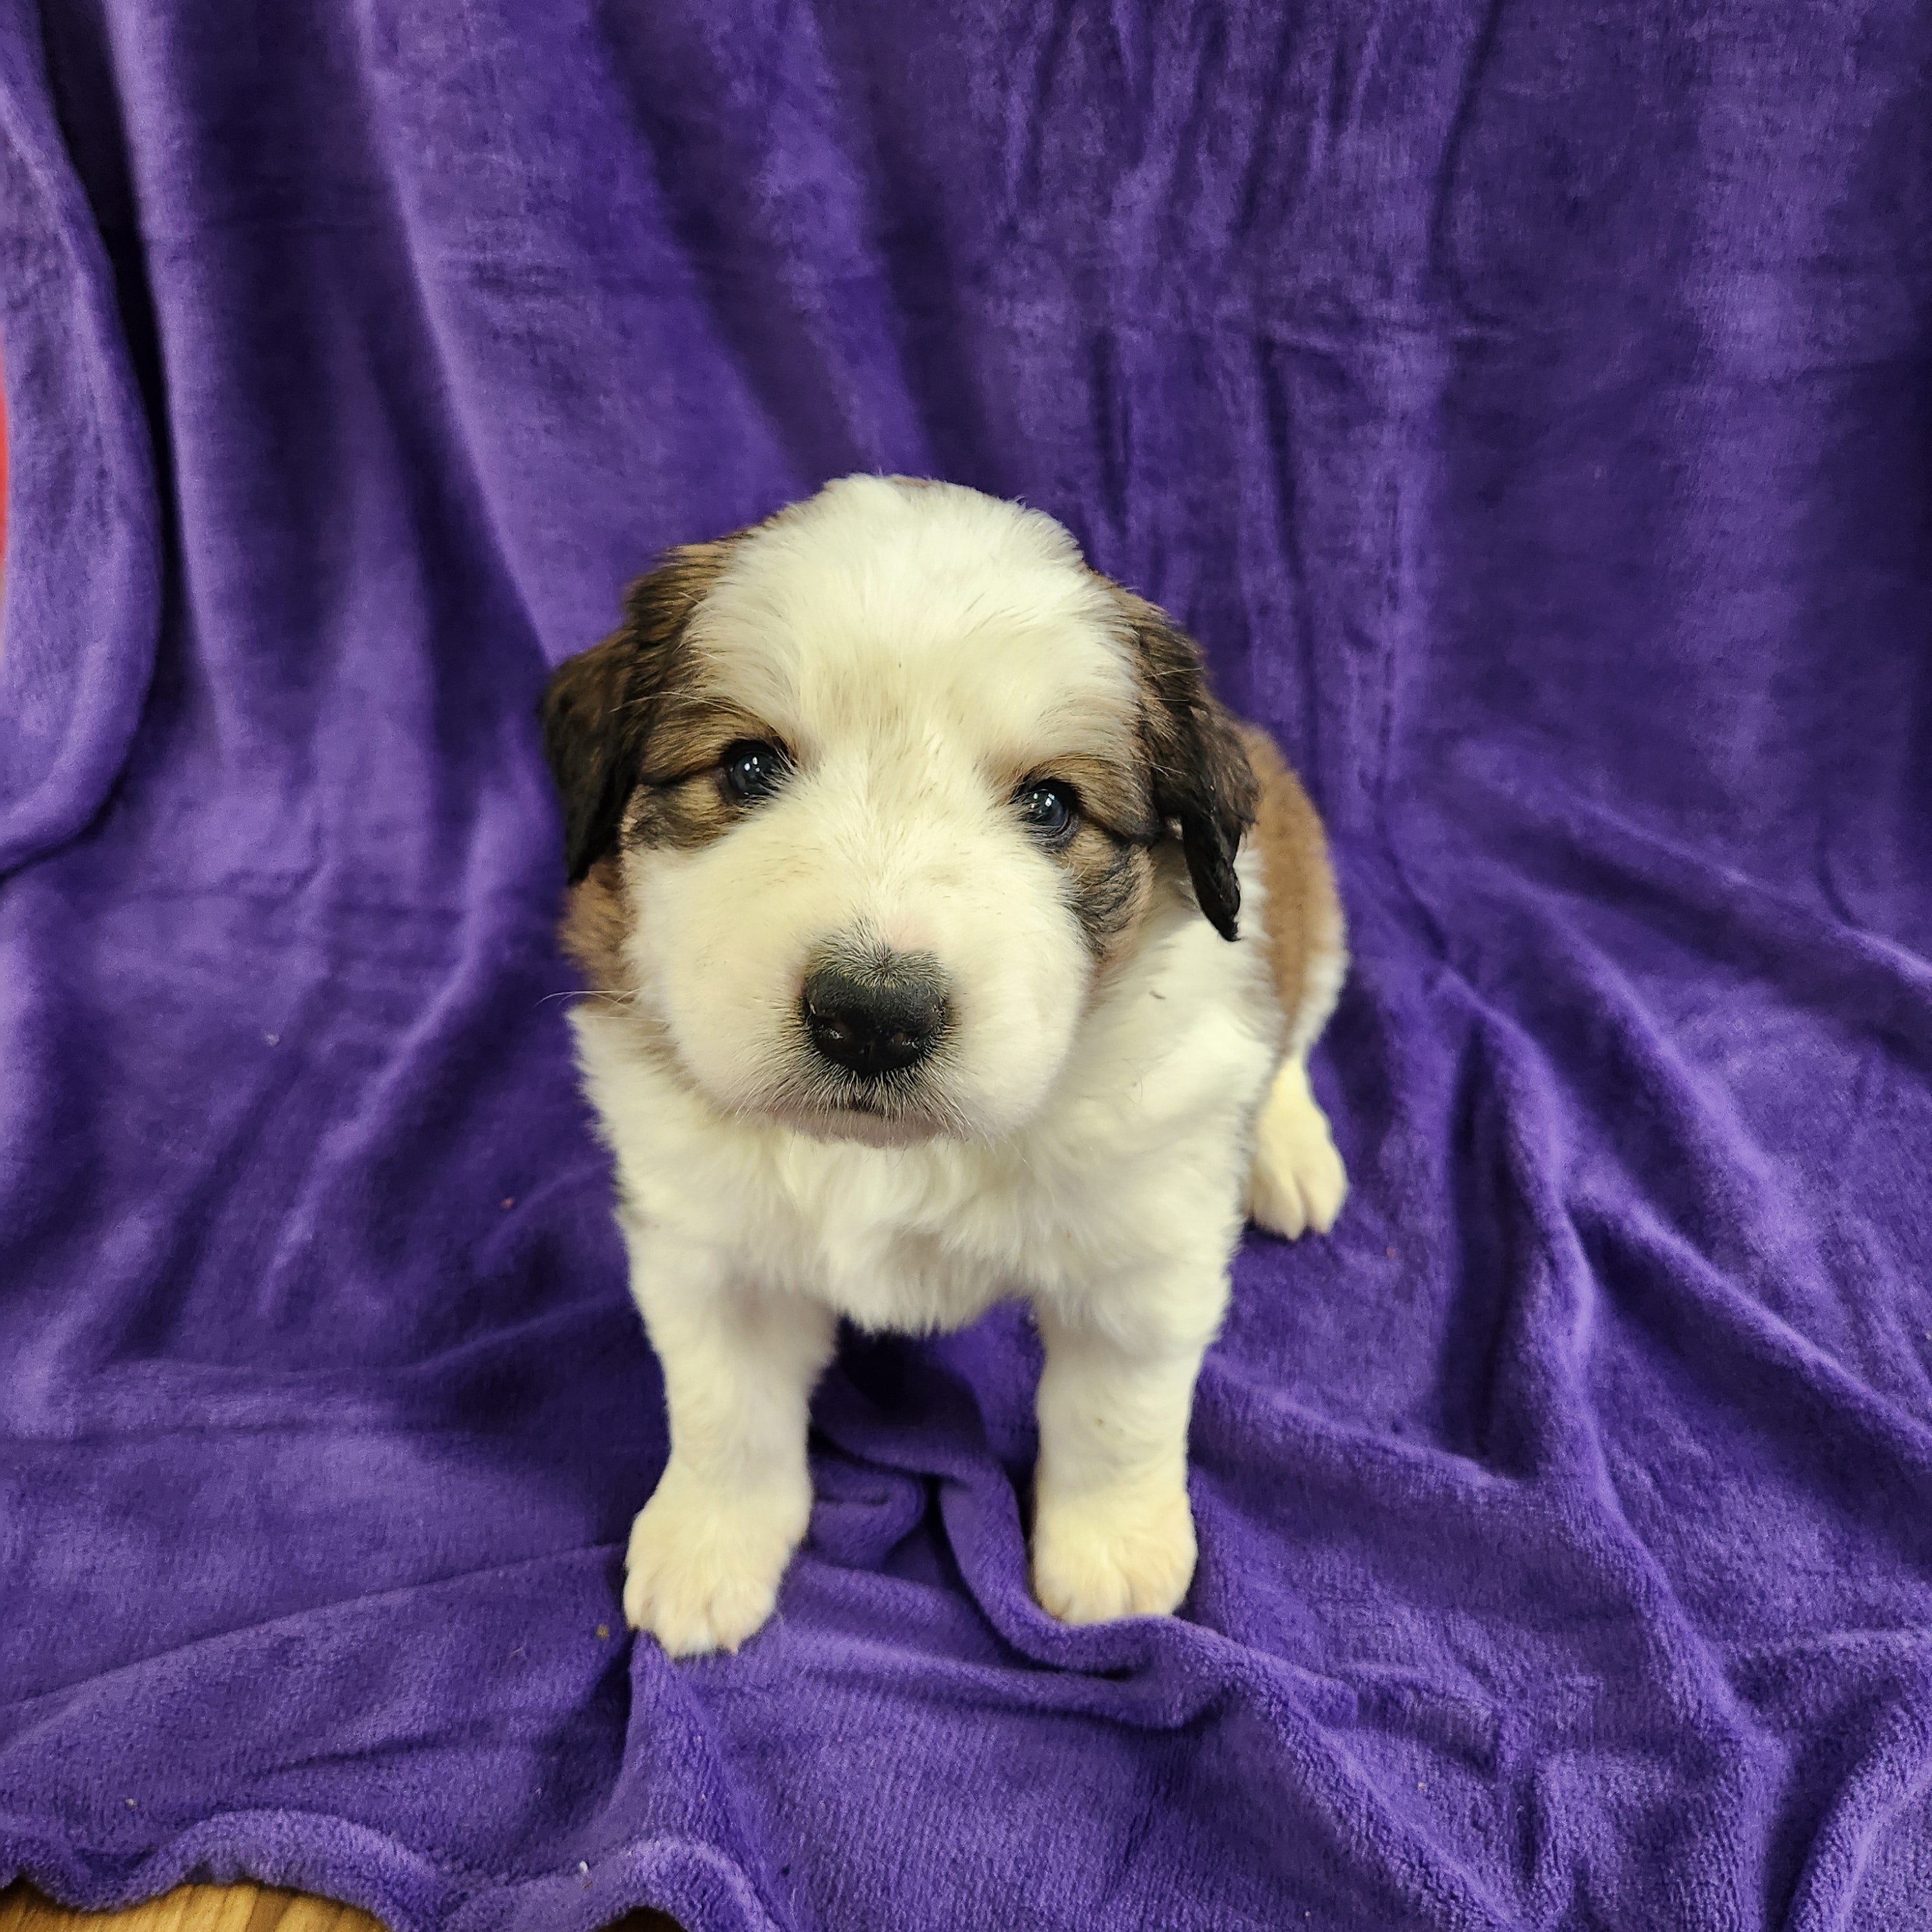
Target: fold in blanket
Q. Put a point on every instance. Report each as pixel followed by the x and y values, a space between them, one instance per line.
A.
pixel 1530 410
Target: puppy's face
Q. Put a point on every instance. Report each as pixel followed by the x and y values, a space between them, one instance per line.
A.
pixel 883 781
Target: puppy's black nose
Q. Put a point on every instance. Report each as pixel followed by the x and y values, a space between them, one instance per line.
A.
pixel 876 1015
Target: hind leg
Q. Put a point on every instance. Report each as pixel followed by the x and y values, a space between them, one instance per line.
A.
pixel 1297 1182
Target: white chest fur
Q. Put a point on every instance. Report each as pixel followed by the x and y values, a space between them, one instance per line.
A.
pixel 1132 1172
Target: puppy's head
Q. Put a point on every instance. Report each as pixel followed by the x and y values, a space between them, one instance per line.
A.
pixel 880 789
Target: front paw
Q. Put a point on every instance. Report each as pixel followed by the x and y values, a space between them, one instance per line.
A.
pixel 1298 1183
pixel 703 1571
pixel 1126 1552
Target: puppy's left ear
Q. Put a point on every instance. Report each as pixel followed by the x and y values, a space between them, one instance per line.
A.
pixel 1201 781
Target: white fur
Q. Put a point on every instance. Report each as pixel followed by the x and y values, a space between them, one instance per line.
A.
pixel 1089 1141
pixel 1298 1181
pixel 920 651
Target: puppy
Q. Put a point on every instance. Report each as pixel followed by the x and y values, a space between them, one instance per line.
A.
pixel 950 943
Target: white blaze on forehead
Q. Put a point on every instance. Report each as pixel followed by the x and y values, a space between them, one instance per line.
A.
pixel 928 614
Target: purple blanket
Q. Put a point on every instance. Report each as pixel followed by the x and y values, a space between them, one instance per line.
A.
pixel 1530 407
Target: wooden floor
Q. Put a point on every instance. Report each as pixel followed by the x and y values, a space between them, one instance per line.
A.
pixel 194 1908
pixel 227 1908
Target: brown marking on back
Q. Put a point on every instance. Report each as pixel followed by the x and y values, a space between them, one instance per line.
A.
pixel 1304 914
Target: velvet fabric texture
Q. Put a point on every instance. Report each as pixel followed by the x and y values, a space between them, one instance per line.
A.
pixel 1528 407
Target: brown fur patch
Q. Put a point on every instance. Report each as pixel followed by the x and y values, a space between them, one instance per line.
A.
pixel 1113 790
pixel 1197 770
pixel 627 709
pixel 1304 913
pixel 693 728
pixel 603 709
pixel 1109 870
pixel 684 816
pixel 595 918
pixel 681 801
pixel 1111 879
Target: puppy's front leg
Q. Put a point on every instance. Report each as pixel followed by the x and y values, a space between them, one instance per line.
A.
pixel 707 1551
pixel 1112 1535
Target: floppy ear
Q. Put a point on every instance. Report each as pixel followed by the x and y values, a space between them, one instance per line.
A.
pixel 586 741
pixel 599 707
pixel 1201 781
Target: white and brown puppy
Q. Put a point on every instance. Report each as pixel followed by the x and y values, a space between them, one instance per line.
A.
pixel 953 944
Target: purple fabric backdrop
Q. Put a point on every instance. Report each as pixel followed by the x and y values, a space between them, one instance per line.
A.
pixel 1529 408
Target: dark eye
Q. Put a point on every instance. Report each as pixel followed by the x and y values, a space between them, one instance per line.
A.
pixel 1048 808
pixel 750 770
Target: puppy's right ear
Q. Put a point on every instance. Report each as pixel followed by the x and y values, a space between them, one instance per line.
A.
pixel 599 707
pixel 587 742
